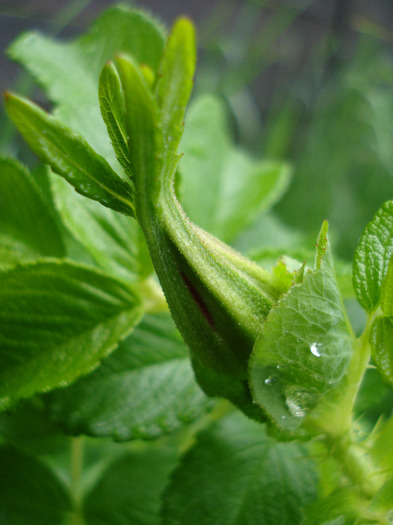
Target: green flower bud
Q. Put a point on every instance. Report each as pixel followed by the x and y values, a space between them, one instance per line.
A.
pixel 217 297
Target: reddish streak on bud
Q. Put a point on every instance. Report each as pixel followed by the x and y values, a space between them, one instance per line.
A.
pixel 198 300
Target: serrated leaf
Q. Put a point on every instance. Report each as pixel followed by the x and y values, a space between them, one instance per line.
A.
pixel 70 156
pixel 130 488
pixel 239 187
pixel 115 241
pixel 304 347
pixel 29 492
pixel 236 474
pixel 381 340
pixel 372 257
pixel 58 320
pixel 113 112
pixel 143 390
pixel 59 67
pixel 25 217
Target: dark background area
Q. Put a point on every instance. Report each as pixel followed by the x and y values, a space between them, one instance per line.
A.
pixel 308 81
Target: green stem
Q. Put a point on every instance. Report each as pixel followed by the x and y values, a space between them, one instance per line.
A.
pixel 336 422
pixel 76 478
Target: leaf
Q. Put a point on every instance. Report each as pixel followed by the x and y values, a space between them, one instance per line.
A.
pixel 387 291
pixel 240 188
pixel 58 320
pixel 382 501
pixel 236 474
pixel 24 215
pixel 339 508
pixel 372 257
pixel 143 390
pixel 59 67
pixel 70 156
pixel 115 242
pixel 381 340
pixel 113 112
pixel 304 347
pixel 129 490
pixel 143 127
pixel 174 85
pixel 29 492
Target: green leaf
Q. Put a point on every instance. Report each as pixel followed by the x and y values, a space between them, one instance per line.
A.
pixel 174 85
pixel 143 390
pixel 29 492
pixel 381 340
pixel 387 291
pixel 339 508
pixel 240 188
pixel 59 67
pixel 372 257
pixel 144 130
pixel 130 488
pixel 236 474
pixel 113 112
pixel 24 215
pixel 70 156
pixel 304 347
pixel 58 320
pixel 115 242
pixel 382 501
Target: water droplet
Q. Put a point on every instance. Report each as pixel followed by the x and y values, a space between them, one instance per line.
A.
pixel 316 349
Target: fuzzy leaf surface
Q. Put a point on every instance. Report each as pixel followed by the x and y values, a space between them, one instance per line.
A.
pixel 304 347
pixel 174 85
pixel 372 257
pixel 29 492
pixel 113 112
pixel 145 389
pixel 70 156
pixel 58 320
pixel 239 187
pixel 236 475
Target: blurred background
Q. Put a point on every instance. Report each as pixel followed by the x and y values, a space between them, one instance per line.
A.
pixel 305 81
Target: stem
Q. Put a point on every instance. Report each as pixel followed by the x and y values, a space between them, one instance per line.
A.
pixel 76 478
pixel 335 420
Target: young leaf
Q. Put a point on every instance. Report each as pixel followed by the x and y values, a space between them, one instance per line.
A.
pixel 372 257
pixel 70 156
pixel 381 340
pixel 143 390
pixel 304 347
pixel 129 490
pixel 29 492
pixel 58 320
pixel 144 132
pixel 252 477
pixel 113 112
pixel 24 214
pixel 174 85
pixel 239 187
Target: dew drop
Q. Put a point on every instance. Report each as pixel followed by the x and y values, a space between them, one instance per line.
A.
pixel 316 349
